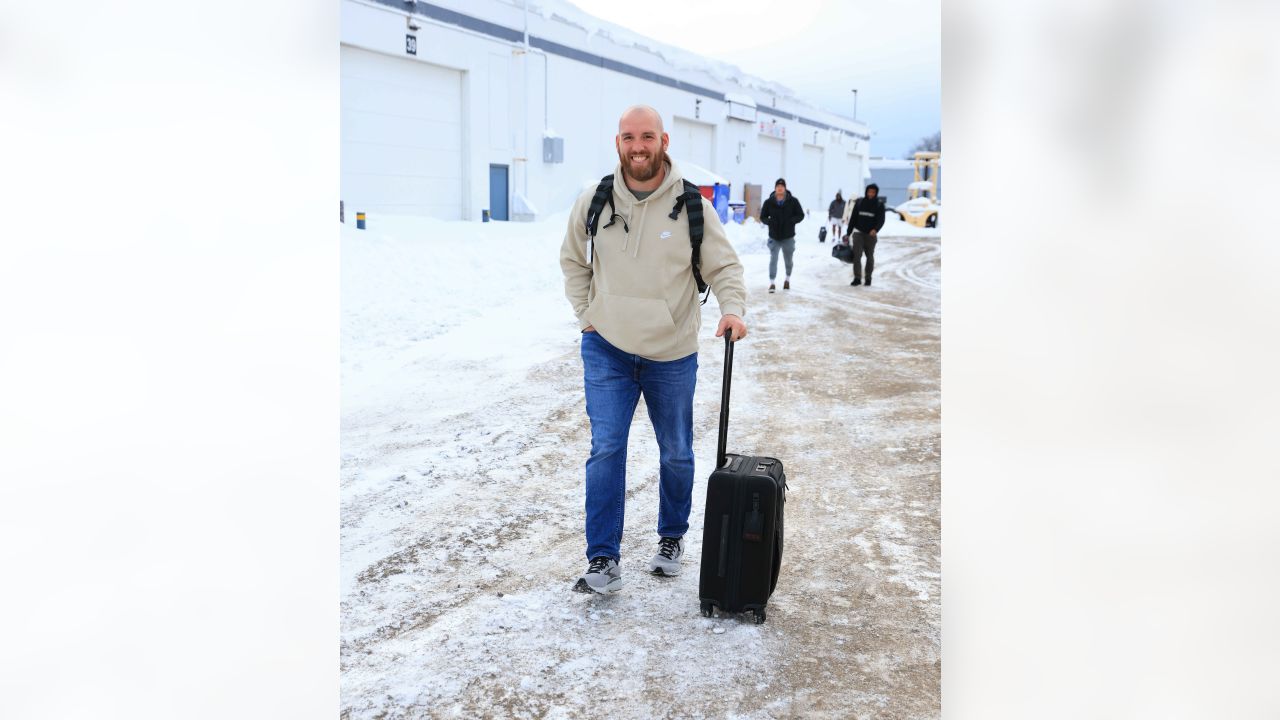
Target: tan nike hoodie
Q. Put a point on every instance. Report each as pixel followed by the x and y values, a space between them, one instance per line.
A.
pixel 638 290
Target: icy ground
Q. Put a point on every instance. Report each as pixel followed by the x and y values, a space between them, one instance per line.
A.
pixel 463 443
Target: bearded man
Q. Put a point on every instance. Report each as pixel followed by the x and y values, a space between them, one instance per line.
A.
pixel 633 290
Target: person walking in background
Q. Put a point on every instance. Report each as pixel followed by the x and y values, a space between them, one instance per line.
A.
pixel 780 213
pixel 835 214
pixel 636 299
pixel 866 217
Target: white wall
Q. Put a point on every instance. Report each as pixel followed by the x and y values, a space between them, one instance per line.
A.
pixel 693 141
pixel 503 108
pixel 737 148
pixel 809 182
pixel 401 150
pixel 769 163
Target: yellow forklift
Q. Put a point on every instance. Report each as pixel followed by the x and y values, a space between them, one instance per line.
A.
pixel 922 206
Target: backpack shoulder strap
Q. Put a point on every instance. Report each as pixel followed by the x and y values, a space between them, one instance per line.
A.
pixel 691 200
pixel 604 194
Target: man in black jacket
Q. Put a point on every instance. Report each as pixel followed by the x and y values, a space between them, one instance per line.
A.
pixel 865 220
pixel 781 212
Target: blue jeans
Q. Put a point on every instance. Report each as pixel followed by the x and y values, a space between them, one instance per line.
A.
pixel 614 381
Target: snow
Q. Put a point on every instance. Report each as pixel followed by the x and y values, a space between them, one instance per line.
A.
pixel 522 206
pixel 699 175
pixel 896 227
pixel 462 442
pixel 425 299
pixel 420 294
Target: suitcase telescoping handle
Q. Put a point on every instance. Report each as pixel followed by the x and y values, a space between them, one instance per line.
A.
pixel 724 398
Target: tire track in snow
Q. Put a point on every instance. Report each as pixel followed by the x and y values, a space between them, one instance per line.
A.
pixel 909 268
pixel 828 279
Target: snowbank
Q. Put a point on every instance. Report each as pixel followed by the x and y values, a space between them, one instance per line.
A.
pixel 699 175
pixel 417 292
pixel 895 227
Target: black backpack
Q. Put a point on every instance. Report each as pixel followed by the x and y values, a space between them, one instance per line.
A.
pixel 690 198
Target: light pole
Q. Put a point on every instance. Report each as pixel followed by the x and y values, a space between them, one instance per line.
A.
pixel 855 104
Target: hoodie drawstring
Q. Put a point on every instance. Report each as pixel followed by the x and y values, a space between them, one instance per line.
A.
pixel 635 252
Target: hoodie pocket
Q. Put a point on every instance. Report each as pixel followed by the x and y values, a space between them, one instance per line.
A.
pixel 636 325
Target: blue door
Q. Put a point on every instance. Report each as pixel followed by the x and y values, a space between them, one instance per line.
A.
pixel 498 192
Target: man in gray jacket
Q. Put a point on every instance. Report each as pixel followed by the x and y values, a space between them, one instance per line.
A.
pixel 637 305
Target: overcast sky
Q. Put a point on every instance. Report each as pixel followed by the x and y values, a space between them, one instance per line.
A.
pixel 890 50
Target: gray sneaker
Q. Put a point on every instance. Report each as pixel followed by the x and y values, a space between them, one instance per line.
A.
pixel 667 559
pixel 602 576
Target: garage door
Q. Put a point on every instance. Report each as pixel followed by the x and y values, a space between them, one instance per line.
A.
pixel 768 165
pixel 401 136
pixel 693 141
pixel 808 187
pixel 853 177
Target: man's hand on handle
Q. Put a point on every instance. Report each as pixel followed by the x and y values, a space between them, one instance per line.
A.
pixel 733 322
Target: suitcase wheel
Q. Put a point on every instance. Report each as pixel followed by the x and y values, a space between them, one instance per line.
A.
pixel 759 616
pixel 707 609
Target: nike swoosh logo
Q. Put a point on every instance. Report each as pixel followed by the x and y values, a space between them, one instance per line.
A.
pixel 665 235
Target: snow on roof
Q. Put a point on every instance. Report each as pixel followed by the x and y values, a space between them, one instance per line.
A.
pixel 699 175
pixel 681 60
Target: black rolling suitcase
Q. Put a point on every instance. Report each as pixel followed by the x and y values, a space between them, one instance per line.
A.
pixel 742 531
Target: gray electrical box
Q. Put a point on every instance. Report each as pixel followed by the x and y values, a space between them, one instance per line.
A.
pixel 552 149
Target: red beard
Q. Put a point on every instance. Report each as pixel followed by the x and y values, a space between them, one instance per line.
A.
pixel 647 171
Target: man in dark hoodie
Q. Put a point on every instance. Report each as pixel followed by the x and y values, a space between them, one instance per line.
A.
pixel 866 217
pixel 835 215
pixel 781 212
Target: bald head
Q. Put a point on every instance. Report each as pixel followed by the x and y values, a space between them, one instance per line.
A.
pixel 643 115
pixel 642 147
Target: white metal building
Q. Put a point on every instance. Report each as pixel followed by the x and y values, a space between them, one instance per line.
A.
pixel 446 112
pixel 893 175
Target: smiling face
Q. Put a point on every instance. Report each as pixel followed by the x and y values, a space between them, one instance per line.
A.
pixel 641 143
